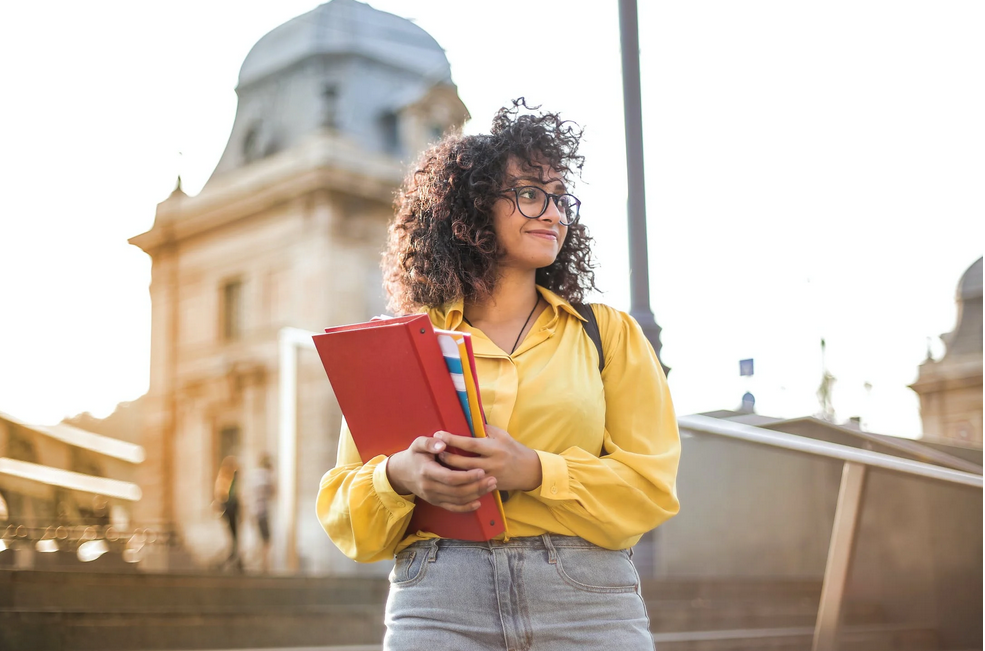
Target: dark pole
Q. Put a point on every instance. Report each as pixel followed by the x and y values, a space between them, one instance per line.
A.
pixel 639 274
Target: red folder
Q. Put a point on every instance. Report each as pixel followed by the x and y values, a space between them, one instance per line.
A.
pixel 392 384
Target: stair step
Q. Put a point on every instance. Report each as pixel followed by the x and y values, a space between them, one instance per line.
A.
pixel 704 614
pixel 40 631
pixel 870 637
pixel 26 590
pixel 718 588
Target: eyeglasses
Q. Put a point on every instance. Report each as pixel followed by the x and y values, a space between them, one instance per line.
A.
pixel 532 202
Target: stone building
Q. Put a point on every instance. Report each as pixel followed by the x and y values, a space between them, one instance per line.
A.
pixel 287 232
pixel 950 389
pixel 64 486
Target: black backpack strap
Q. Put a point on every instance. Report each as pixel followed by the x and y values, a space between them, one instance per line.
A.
pixel 591 329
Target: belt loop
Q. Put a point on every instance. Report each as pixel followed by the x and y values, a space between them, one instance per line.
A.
pixel 551 552
pixel 433 552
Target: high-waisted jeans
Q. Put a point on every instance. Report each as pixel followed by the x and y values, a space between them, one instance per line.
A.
pixel 545 593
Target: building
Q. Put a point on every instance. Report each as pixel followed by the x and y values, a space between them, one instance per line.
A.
pixel 61 486
pixel 286 233
pixel 950 388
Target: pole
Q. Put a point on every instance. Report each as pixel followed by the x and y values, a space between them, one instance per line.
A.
pixel 639 275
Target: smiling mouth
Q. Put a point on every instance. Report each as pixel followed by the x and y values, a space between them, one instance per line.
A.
pixel 543 234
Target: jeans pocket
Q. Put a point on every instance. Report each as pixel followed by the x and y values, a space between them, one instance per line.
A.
pixel 408 567
pixel 597 569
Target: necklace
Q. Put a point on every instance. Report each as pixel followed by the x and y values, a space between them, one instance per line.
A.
pixel 519 334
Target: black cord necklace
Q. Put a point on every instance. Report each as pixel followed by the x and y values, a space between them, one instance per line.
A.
pixel 517 342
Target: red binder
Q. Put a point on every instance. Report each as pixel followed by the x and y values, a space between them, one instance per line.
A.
pixel 392 384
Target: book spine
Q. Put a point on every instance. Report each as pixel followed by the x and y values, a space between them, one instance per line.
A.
pixel 487 522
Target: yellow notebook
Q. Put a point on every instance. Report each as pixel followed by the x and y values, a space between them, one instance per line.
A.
pixel 463 340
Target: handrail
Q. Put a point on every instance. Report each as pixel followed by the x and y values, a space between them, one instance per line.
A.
pixel 855 465
pixel 749 433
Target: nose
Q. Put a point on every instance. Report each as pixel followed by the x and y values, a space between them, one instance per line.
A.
pixel 553 213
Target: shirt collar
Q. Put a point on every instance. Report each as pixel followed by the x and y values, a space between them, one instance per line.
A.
pixel 557 303
pixel 451 315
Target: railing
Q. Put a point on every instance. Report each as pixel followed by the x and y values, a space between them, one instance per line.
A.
pixel 87 539
pixel 853 478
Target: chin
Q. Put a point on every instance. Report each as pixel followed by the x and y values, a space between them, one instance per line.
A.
pixel 545 262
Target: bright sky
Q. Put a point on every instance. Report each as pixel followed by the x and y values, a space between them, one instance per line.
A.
pixel 813 170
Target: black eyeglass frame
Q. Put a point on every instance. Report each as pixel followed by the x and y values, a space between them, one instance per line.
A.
pixel 550 197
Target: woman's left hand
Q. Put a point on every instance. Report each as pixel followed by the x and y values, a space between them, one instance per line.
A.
pixel 514 465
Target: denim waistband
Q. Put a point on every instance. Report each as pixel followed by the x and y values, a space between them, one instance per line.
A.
pixel 545 541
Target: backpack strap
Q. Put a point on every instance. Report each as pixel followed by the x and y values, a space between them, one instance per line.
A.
pixel 591 329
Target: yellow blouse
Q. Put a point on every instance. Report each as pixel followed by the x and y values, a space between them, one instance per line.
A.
pixel 608 444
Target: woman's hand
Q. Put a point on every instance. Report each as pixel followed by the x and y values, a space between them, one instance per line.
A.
pixel 512 464
pixel 416 471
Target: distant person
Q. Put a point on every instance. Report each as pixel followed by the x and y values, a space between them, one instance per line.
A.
pixel 227 500
pixel 263 490
pixel 487 240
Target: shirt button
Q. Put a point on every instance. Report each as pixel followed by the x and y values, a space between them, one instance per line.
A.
pixel 553 490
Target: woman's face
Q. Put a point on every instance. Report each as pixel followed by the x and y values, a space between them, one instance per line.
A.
pixel 528 243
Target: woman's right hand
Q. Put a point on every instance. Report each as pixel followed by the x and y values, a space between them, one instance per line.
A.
pixel 416 471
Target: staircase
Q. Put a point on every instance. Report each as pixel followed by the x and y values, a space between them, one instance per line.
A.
pixel 76 611
pixel 775 614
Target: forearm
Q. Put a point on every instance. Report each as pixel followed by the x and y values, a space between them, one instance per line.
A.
pixel 361 512
pixel 611 500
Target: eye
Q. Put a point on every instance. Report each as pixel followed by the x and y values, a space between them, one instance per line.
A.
pixel 528 194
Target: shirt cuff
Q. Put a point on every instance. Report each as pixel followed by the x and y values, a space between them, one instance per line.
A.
pixel 396 504
pixel 554 470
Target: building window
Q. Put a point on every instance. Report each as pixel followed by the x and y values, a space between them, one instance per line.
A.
pixel 231 315
pixel 390 126
pixel 330 106
pixel 252 149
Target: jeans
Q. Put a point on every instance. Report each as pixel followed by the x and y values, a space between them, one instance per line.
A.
pixel 545 593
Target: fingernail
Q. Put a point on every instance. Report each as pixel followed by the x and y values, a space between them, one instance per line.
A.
pixel 439 446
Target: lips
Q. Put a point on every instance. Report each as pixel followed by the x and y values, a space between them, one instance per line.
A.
pixel 544 234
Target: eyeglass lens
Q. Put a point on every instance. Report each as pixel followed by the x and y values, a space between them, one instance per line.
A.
pixel 532 202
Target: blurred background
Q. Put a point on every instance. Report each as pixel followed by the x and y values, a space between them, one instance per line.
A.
pixel 193 187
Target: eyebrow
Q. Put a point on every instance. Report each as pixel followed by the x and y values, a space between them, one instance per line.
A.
pixel 557 183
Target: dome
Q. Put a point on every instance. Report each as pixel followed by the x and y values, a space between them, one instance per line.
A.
pixel 344 27
pixel 966 339
pixel 970 286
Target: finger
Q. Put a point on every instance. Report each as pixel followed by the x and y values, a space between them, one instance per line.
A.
pixel 427 445
pixel 460 462
pixel 459 495
pixel 435 472
pixel 466 443
pixel 494 432
pixel 460 508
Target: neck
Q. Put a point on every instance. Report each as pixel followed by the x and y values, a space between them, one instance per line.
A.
pixel 514 297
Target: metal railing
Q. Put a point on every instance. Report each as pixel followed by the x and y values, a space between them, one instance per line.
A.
pixel 853 478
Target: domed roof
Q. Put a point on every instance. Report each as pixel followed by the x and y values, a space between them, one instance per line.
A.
pixel 347 27
pixel 970 286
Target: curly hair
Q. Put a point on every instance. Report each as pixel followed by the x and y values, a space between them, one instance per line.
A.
pixel 441 245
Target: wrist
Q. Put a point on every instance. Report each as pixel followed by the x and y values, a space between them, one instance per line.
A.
pixel 534 472
pixel 394 471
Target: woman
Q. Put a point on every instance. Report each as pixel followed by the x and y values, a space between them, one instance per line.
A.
pixel 227 502
pixel 486 239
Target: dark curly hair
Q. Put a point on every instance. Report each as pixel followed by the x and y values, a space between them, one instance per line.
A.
pixel 441 245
